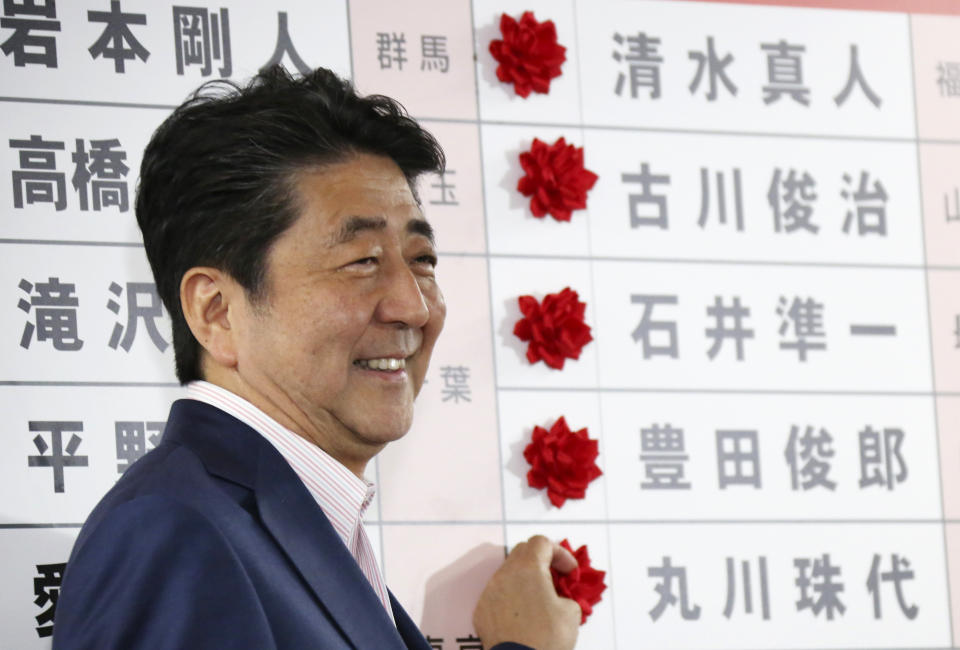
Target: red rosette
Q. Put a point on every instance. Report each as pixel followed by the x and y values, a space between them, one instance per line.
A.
pixel 528 55
pixel 556 179
pixel 554 328
pixel 562 461
pixel 584 584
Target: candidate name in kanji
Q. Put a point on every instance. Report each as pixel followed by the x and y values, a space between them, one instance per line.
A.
pixel 639 68
pixel 818 583
pixel 99 174
pixel 791 194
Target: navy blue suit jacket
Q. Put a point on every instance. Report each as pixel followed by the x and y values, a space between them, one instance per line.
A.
pixel 212 541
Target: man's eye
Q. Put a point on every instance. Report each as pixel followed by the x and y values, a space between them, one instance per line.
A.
pixel 364 261
pixel 427 259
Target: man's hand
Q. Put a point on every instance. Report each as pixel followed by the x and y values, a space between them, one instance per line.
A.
pixel 520 604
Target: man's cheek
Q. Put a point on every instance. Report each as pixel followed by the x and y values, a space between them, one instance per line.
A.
pixel 439 310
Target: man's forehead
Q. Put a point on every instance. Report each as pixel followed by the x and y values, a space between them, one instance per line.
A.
pixel 354 225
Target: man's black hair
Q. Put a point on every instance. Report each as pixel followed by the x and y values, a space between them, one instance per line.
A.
pixel 217 179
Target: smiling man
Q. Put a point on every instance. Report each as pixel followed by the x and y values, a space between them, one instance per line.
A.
pixel 288 245
pixel 337 348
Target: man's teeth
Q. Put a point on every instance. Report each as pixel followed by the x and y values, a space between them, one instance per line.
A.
pixel 382 364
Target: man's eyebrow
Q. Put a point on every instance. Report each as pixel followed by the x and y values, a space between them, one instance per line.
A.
pixel 353 226
pixel 421 227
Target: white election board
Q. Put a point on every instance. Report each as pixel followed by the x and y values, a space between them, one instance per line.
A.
pixel 770 260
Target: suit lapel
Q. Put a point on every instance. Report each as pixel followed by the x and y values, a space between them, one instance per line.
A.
pixel 231 449
pixel 308 538
pixel 411 634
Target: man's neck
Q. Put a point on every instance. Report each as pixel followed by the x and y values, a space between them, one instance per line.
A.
pixel 316 430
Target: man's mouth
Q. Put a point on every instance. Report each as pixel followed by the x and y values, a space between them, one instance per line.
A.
pixel 384 363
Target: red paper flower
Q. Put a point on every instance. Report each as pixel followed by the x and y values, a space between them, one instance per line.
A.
pixel 562 461
pixel 555 328
pixel 529 55
pixel 584 584
pixel 556 179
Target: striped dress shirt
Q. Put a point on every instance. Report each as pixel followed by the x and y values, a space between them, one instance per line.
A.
pixel 342 496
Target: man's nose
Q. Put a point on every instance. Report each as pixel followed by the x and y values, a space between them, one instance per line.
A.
pixel 403 301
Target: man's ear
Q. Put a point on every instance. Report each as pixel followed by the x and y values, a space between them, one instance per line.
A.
pixel 206 297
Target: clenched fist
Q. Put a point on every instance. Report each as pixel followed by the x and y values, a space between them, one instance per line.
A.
pixel 520 604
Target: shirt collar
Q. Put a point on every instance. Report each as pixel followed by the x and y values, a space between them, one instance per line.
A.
pixel 342 495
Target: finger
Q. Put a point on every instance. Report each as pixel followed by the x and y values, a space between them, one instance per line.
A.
pixel 563 560
pixel 548 553
pixel 541 548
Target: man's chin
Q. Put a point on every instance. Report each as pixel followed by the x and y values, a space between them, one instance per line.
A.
pixel 384 430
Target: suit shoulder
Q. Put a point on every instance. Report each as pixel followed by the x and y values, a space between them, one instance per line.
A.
pixel 141 531
pixel 166 476
pixel 154 567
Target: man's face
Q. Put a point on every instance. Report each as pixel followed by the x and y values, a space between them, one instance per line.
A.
pixel 352 309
